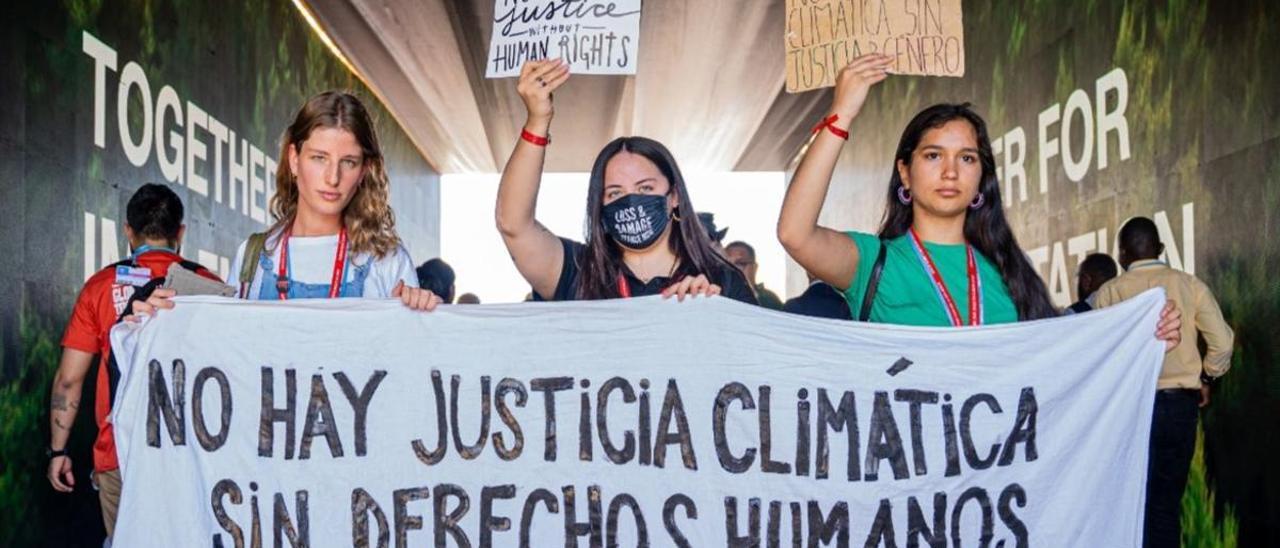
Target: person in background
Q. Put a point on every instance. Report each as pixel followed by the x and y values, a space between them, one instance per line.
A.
pixel 468 298
pixel 333 233
pixel 437 277
pixel 153 226
pixel 1095 270
pixel 1184 379
pixel 819 300
pixel 743 256
pixel 708 221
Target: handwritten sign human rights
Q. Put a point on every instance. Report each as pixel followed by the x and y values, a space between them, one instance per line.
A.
pixel 594 36
pixel 925 37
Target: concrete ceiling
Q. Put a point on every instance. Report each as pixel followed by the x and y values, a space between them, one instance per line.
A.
pixel 709 85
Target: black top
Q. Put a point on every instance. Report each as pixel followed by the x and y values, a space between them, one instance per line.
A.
pixel 768 299
pixel 1081 306
pixel 731 281
pixel 820 300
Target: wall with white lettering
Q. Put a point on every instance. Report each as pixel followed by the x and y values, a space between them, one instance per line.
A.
pixel 98 98
pixel 1117 110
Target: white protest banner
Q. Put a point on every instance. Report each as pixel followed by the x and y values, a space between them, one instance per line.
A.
pixel 925 37
pixel 594 36
pixel 632 423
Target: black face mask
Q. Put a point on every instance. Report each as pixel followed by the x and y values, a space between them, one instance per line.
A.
pixel 636 221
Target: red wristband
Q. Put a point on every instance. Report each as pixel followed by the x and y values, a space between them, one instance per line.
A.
pixel 830 123
pixel 534 139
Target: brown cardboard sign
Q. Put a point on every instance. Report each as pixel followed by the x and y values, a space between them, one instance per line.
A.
pixel 925 37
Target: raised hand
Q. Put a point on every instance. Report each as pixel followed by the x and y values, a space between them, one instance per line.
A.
pixel 855 80
pixel 538 79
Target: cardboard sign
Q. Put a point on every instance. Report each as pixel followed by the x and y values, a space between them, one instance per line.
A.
pixel 594 36
pixel 628 422
pixel 925 37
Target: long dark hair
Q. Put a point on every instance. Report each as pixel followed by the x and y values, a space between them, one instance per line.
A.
pixel 601 261
pixel 985 228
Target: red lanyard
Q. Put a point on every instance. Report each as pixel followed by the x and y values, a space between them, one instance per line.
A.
pixel 339 266
pixel 624 287
pixel 975 284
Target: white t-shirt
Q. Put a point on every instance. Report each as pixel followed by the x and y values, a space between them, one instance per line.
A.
pixel 311 262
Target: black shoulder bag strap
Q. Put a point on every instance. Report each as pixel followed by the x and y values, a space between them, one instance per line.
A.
pixel 141 293
pixel 872 284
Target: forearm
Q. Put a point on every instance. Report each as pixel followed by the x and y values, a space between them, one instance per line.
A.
pixel 520 183
pixel 64 399
pixel 1218 337
pixel 825 253
pixel 1217 357
pixel 802 205
pixel 64 404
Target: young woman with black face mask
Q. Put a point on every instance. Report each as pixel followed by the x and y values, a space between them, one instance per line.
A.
pixel 950 257
pixel 642 236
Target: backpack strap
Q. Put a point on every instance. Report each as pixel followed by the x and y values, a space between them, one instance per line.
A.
pixel 869 296
pixel 126 262
pixel 249 262
pixel 142 293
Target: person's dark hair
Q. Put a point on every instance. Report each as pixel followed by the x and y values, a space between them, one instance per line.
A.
pixel 1096 269
pixel 1140 239
pixel 437 276
pixel 601 261
pixel 708 221
pixel 986 227
pixel 155 213
pixel 751 251
pixel 1099 265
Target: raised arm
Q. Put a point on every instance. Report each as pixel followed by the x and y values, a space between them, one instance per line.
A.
pixel 828 254
pixel 536 251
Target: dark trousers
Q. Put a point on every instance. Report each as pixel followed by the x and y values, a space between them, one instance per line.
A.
pixel 1173 443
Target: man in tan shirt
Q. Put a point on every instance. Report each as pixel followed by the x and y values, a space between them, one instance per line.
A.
pixel 1178 391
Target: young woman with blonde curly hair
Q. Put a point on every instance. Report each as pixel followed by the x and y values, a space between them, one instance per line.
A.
pixel 334 232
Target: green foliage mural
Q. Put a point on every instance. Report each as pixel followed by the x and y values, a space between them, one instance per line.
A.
pixel 1200 528
pixel 24 418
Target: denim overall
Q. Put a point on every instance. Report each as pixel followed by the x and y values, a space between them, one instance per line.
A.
pixel 352 285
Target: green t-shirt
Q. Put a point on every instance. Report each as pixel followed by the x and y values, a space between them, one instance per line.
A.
pixel 906 295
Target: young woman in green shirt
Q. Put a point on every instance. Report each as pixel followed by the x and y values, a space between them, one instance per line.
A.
pixel 945 234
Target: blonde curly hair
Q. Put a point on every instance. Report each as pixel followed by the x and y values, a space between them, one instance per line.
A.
pixel 370 223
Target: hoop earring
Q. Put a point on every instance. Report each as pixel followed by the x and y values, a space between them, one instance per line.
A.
pixel 904 195
pixel 978 201
pixel 675 214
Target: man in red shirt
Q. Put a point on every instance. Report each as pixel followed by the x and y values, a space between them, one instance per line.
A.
pixel 153 225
